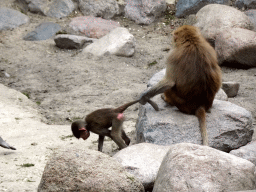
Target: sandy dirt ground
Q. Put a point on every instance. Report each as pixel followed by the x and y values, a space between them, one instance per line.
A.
pixel 56 86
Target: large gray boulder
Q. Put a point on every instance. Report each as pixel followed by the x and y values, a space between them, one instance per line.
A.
pixel 170 126
pixel 57 9
pixel 236 47
pixel 144 12
pixel 118 42
pixel 247 152
pixel 185 7
pixel 245 4
pixel 72 169
pixel 101 8
pixel 10 19
pixel 143 161
pixel 190 167
pixel 214 18
pixel 252 16
pixel 228 125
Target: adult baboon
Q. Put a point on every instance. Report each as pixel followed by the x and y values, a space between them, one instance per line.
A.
pixel 192 78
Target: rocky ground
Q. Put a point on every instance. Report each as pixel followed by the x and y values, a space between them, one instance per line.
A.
pixel 65 85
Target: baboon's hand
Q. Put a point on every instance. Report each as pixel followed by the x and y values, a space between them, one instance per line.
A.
pixel 143 98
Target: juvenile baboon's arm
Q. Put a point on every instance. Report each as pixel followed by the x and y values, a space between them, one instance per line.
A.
pixel 125 138
pixel 159 88
pixel 116 133
pixel 102 132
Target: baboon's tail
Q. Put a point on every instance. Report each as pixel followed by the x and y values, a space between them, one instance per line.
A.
pixel 201 115
pixel 125 106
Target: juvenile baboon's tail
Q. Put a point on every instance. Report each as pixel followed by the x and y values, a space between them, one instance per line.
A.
pixel 201 115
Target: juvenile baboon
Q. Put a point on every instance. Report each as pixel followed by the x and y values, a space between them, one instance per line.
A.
pixel 101 120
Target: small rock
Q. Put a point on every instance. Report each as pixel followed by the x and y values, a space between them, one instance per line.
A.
pixel 3 73
pixel 64 41
pixel 230 88
pixel 245 4
pixel 185 7
pixel 10 19
pixel 60 8
pixel 57 9
pixel 43 31
pixel 144 12
pixel 93 27
pixel 247 152
pixel 118 42
pixel 252 16
pixel 101 8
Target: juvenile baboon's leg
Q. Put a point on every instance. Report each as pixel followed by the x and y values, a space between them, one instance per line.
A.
pixel 125 138
pixel 116 133
pixel 97 129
